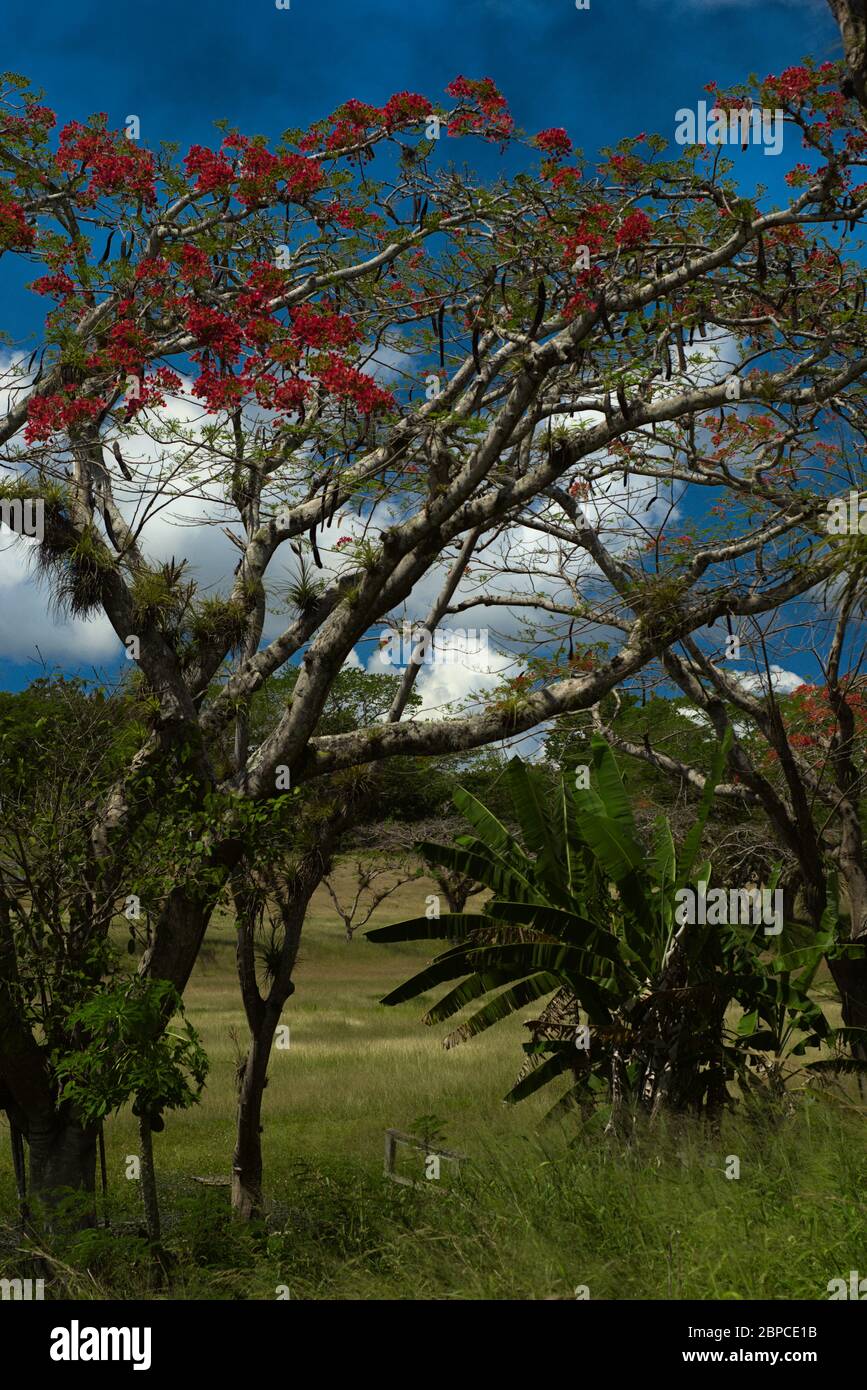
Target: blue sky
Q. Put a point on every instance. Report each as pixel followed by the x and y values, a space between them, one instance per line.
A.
pixel 617 68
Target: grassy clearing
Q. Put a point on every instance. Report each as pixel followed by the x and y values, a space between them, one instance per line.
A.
pixel 534 1214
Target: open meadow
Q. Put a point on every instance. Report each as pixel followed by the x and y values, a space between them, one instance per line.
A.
pixel 538 1212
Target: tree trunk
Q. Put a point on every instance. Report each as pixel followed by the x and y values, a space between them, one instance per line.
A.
pixel 851 18
pixel 62 1158
pixel 247 1157
pixel 149 1181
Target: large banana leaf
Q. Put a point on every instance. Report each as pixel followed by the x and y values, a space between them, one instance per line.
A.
pixel 452 965
pixel 532 803
pixel 503 1005
pixel 482 866
pixel 693 839
pixel 618 852
pixel 610 786
pixel 552 1067
pixel 491 831
pixel 452 926
pixel 553 921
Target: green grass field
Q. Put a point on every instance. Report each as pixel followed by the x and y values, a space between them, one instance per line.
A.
pixel 536 1212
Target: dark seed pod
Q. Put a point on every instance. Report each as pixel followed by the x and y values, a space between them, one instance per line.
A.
pixel 541 300
pixel 317 560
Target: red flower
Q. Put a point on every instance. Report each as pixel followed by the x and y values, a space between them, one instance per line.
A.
pixel 15 235
pixel 289 395
pixel 214 170
pixel 117 165
pixel 214 330
pixel 404 108
pixel 347 383
pixel 218 391
pixel 49 414
pixel 303 176
pixel 195 264
pixel 317 328
pixel 492 120
pixel 634 231
pixel 58 285
pixel 793 84
pixel 555 142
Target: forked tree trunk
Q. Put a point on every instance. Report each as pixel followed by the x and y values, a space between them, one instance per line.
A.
pixel 263 1015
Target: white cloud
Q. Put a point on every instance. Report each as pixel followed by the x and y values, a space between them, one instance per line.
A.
pixel 459 666
pixel 782 681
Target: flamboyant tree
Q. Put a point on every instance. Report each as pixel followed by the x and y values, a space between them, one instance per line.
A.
pixel 266 337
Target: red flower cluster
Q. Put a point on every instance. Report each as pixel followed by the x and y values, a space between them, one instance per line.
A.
pixel 195 264
pixel 151 391
pixel 793 84
pixel 15 235
pixel 634 231
pixel 492 120
pixel 405 108
pixel 117 165
pixel 565 175
pixel 344 214
pixel 303 176
pixel 580 300
pixel 59 285
pixel 347 383
pixel 152 274
pixel 799 174
pixel 219 391
pixel 128 345
pixel 214 170
pixel 38 121
pixel 555 142
pixel 213 330
pixel 289 395
pixel 259 173
pixel 317 328
pixel 49 414
pixel 264 283
pixel 351 121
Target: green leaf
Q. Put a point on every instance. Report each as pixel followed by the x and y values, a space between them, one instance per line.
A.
pixel 452 926
pixel 610 786
pixel 502 1006
pixel 693 839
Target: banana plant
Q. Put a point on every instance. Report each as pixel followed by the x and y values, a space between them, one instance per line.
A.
pixel 583 915
pixel 781 1019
